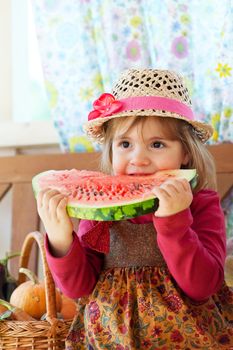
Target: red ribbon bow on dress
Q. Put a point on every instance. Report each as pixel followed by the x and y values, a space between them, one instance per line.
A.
pixel 98 237
pixel 104 106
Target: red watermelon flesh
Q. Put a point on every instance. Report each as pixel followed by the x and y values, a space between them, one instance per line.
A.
pixel 97 189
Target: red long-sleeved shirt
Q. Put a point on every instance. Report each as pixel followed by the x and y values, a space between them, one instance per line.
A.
pixel 192 242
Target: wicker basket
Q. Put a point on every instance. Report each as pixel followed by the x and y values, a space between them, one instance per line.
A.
pixel 49 334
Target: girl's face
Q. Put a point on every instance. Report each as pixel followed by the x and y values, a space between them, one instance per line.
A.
pixel 146 148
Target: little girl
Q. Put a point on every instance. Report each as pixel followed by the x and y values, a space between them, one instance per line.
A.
pixel 156 281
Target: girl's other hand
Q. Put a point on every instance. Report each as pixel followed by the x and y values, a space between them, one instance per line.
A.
pixel 51 206
pixel 174 196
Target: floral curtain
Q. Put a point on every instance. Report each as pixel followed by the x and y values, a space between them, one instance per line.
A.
pixel 85 44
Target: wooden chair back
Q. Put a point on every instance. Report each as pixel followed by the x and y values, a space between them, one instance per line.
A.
pixel 16 173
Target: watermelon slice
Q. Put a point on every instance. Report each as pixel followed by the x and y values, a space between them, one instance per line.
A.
pixel 98 196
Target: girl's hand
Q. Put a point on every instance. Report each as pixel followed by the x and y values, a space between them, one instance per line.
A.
pixel 51 206
pixel 174 196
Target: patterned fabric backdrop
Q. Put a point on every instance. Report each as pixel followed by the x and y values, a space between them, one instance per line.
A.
pixel 85 44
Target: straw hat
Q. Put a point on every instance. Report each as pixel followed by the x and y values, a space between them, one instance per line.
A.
pixel 145 92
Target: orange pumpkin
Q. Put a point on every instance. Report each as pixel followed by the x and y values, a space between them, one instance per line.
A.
pixel 3 308
pixel 30 296
pixel 68 308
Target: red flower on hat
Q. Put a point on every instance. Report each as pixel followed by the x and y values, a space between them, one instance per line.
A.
pixel 104 106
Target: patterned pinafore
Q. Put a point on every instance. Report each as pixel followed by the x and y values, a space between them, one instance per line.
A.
pixel 136 303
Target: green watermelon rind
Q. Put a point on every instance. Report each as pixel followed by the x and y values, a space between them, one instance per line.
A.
pixel 114 213
pixel 119 211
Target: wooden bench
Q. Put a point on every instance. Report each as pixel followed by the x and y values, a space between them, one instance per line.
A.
pixel 16 173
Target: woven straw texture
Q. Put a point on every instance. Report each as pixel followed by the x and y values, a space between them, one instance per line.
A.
pixel 149 82
pixel 49 334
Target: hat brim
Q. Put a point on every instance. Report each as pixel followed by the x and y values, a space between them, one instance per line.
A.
pixel 94 128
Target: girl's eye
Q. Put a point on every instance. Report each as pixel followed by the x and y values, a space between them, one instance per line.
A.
pixel 157 144
pixel 125 144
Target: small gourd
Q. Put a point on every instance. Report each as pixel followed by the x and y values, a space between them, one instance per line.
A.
pixel 30 295
pixel 7 282
pixel 228 270
pixel 68 307
pixel 10 312
pixel 3 308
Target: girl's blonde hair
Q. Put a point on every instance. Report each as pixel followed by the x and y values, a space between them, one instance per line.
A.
pixel 175 129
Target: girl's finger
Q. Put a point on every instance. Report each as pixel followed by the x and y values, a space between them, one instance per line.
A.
pixel 54 202
pixel 182 185
pixel 61 207
pixel 178 185
pixel 171 188
pixel 185 184
pixel 160 192
pixel 39 199
pixel 41 196
pixel 47 196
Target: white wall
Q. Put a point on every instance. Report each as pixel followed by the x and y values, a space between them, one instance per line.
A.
pixel 5 110
pixel 5 225
pixel 5 60
pixel 16 138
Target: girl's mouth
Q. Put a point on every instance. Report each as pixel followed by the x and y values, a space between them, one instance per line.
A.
pixel 140 174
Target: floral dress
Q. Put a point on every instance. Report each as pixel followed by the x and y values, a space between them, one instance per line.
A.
pixel 136 303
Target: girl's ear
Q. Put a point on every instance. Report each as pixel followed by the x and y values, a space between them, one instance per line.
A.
pixel 185 159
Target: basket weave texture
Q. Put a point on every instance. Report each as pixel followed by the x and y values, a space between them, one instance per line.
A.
pixel 48 334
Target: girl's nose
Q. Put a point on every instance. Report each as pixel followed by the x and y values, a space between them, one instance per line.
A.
pixel 140 158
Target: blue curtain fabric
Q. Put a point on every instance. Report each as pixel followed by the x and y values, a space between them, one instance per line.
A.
pixel 85 44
